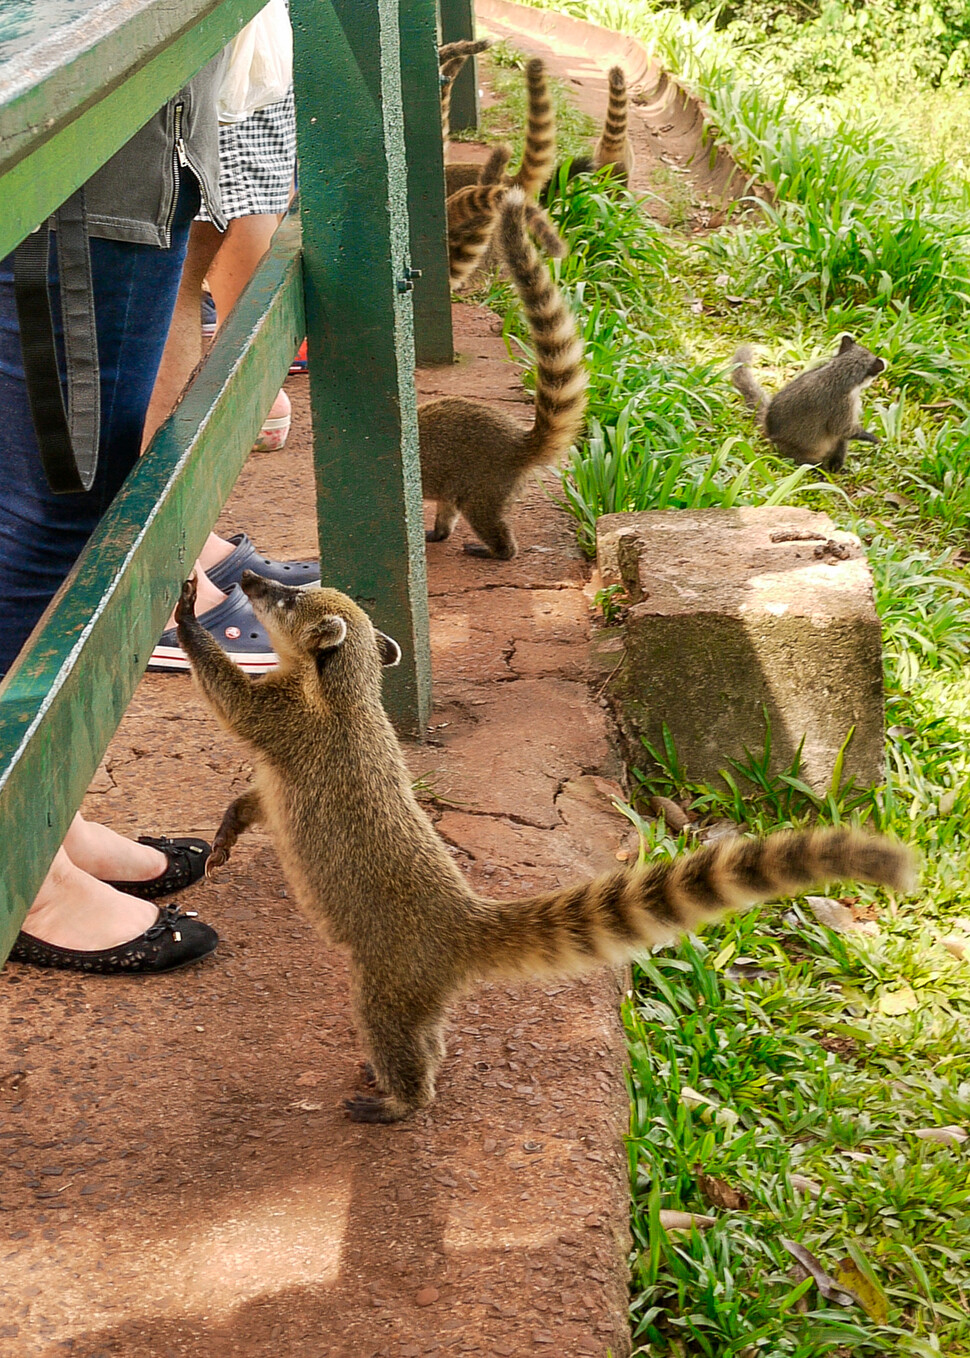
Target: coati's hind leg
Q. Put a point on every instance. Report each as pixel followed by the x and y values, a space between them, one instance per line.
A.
pixel 240 815
pixel 446 516
pixel 405 1055
pixel 864 436
pixel 836 458
pixel 495 533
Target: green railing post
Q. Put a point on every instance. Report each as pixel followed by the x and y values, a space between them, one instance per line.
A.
pixel 353 195
pixel 433 340
pixel 458 21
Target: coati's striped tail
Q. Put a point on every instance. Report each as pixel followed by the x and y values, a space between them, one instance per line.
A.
pixel 451 58
pixel 472 214
pixel 560 399
pixel 493 171
pixel 613 918
pixel 743 379
pixel 539 154
pixel 613 147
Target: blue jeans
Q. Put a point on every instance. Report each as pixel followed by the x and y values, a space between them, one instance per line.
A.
pixel 43 534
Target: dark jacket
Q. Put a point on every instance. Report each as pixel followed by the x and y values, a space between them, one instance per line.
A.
pixel 132 197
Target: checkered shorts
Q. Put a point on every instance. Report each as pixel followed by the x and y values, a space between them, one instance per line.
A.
pixel 257 158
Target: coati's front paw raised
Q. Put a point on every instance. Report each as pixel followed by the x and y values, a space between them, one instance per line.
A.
pixel 185 608
pixel 376 1108
pixel 218 858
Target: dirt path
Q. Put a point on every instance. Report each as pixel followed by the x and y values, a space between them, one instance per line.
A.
pixel 176 1177
pixel 692 179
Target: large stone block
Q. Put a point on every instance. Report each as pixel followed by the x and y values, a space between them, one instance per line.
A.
pixel 735 612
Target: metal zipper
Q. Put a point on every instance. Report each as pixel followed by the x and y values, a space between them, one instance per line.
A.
pixel 178 158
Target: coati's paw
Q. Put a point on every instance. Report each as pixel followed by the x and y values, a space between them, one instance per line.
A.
pixel 479 549
pixel 376 1108
pixel 367 1074
pixel 185 608
pixel 218 858
pixel 433 535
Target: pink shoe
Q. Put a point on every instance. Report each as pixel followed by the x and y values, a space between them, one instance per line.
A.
pixel 276 428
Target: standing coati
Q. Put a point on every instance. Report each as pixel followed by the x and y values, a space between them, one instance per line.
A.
pixel 365 862
pixel 472 215
pixel 815 416
pixel 474 458
pixel 451 58
pixel 539 152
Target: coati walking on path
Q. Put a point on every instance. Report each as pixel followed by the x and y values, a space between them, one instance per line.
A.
pixel 365 862
pixel 474 458
pixel 472 214
pixel 820 411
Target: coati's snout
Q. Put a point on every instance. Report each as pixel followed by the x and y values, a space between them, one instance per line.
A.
pixel 316 622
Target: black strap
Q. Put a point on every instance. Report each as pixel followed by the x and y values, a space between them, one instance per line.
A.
pixel 68 442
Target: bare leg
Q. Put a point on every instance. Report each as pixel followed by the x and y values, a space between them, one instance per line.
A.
pixel 240 815
pixel 245 243
pixel 75 910
pixel 103 853
pixel 183 348
pixel 208 594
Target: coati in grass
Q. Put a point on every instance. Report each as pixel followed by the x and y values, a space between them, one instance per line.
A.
pixel 451 58
pixel 472 216
pixel 820 411
pixel 366 864
pixel 613 147
pixel 474 458
pixel 539 152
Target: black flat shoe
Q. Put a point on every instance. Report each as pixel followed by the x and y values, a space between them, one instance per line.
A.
pixel 186 864
pixel 173 941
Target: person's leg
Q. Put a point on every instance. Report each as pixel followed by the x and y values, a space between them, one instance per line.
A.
pixel 42 534
pixel 104 853
pixel 75 910
pixel 245 243
pixel 183 348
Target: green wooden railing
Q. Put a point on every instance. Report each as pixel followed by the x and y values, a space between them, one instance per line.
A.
pixel 76 82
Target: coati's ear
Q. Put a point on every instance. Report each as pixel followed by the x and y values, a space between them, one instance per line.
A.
pixel 388 650
pixel 329 634
pixel 877 366
pixel 845 343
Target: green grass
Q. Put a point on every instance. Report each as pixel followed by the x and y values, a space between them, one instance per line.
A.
pixel 821 1054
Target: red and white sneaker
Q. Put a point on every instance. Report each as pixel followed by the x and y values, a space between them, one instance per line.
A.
pixel 237 630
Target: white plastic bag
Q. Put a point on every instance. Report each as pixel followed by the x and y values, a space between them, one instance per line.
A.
pixel 260 69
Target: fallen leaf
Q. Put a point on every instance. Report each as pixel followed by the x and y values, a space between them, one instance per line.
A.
pixel 871 1297
pixel 718 829
pixel 946 1136
pixel 893 497
pixel 685 1221
pixel 833 914
pixel 305 1106
pixel 948 801
pixel 674 816
pixel 892 1003
pixel 719 1193
pixel 826 1284
pixel 805 1185
pixel 957 945
pixel 609 788
pixel 693 1098
pixel 309 1077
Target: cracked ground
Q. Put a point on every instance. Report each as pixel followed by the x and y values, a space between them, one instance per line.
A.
pixel 176 1176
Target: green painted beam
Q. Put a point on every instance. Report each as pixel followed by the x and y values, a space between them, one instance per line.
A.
pixel 457 22
pixel 63 699
pixel 74 92
pixel 433 340
pixel 353 200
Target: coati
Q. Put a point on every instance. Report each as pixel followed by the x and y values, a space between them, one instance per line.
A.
pixel 365 862
pixel 474 458
pixel 815 416
pixel 472 214
pixel 613 147
pixel 539 152
pixel 451 58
